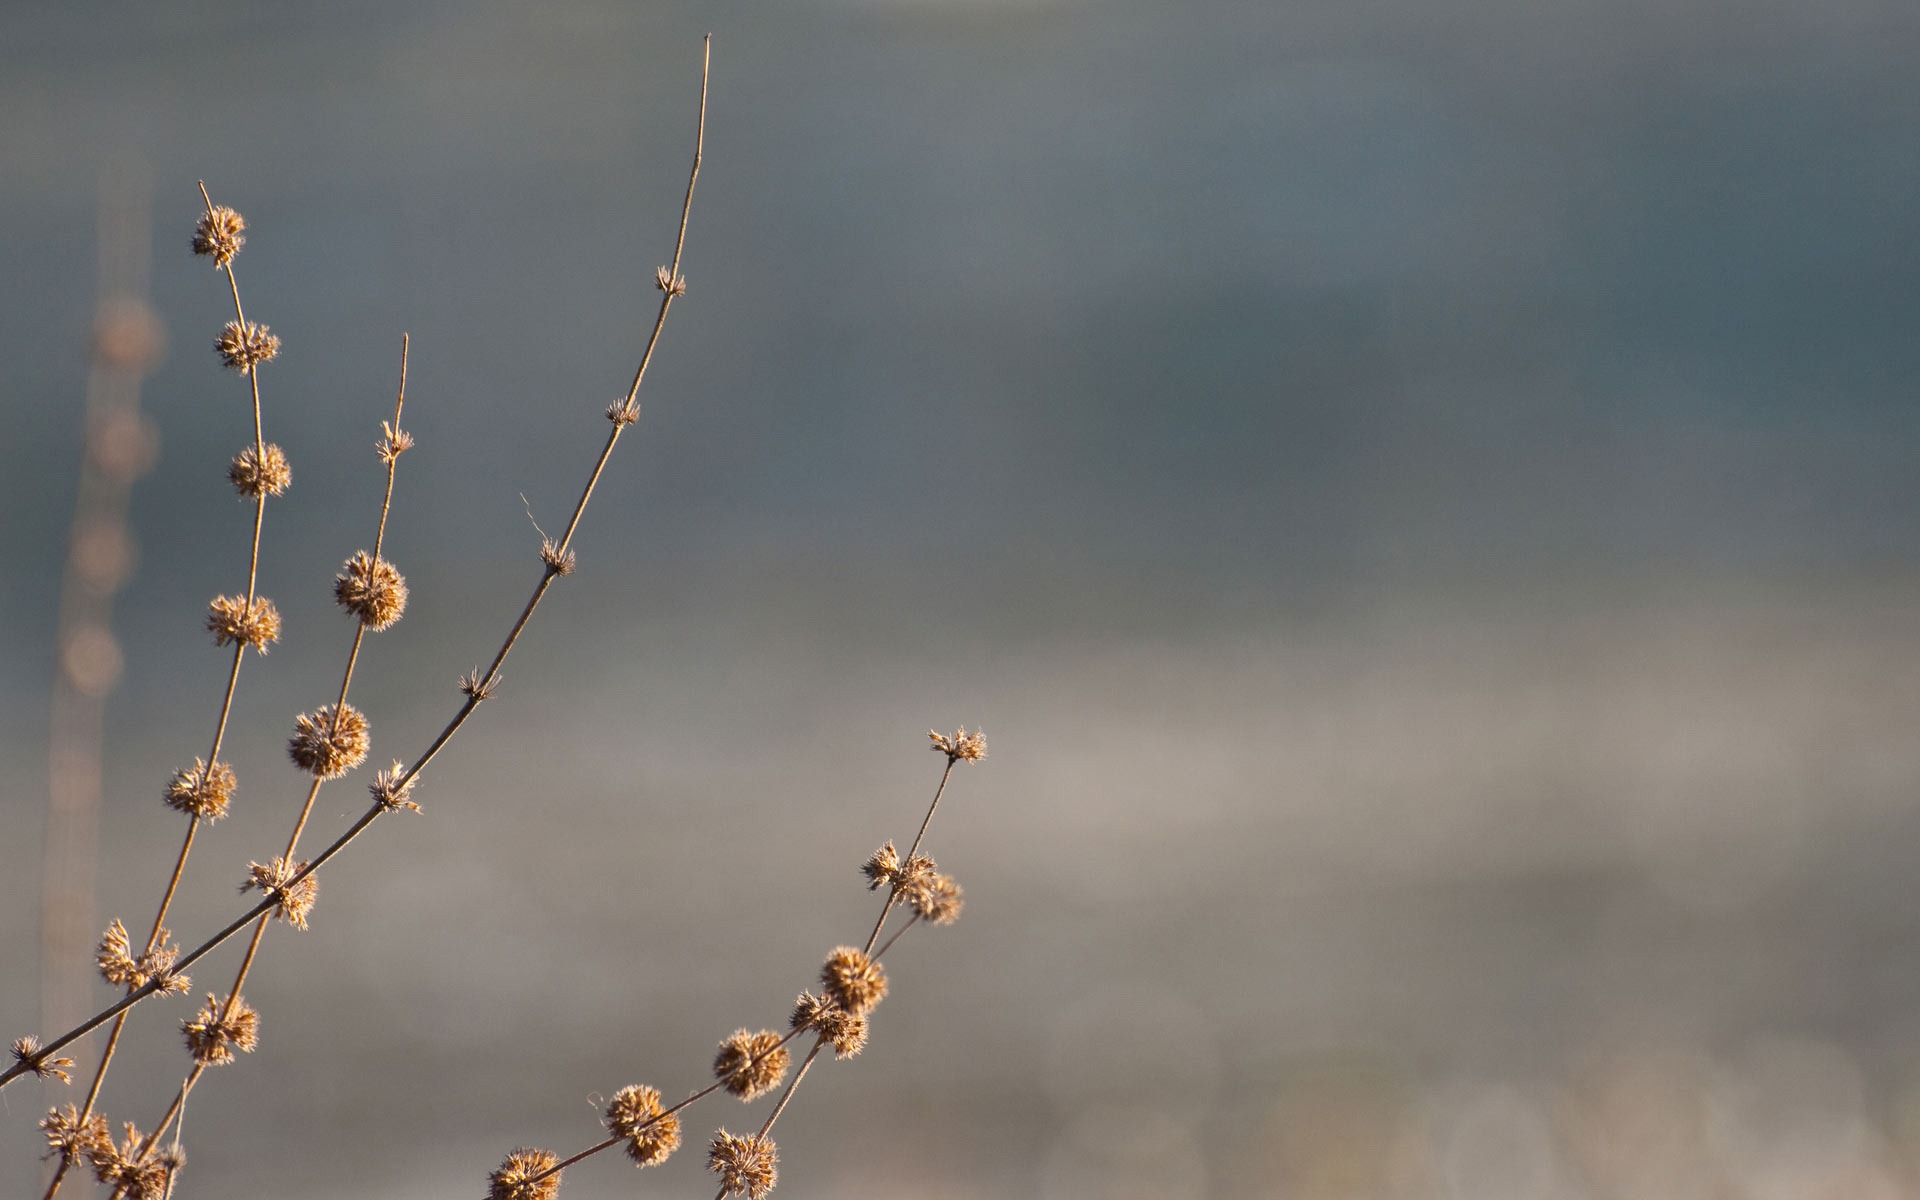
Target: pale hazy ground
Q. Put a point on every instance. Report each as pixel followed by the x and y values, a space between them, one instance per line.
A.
pixel 1420 499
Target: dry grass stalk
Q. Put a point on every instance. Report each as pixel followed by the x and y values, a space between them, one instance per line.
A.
pixel 334 739
pixel 749 1064
pixel 326 743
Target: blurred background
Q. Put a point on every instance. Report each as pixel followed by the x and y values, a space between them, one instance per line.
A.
pixel 1420 497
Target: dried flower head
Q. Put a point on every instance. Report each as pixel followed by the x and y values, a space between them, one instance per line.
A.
pixel 219 233
pixel 670 281
pixel 650 1132
pixel 523 1176
pixel 129 1170
pixel 202 791
pixel 231 619
pixel 472 684
pixel 217 1031
pixel 624 412
pixel 244 347
pixel 751 1064
pixel 27 1051
pixel 746 1165
pixel 884 869
pixel 327 745
pixel 961 747
pixel 560 562
pixel 393 788
pixel 119 967
pixel 253 475
pixel 937 900
pixel 844 1031
pixel 275 879
pixel 371 589
pixel 71 1136
pixel 879 869
pixel 852 980
pixel 393 443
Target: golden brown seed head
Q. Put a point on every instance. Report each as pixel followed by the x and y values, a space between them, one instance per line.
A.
pixel 201 791
pixel 327 746
pixel 669 282
pixel 244 347
pixel 650 1133
pixel 26 1051
pixel 844 1031
pixel 938 899
pixel 70 1137
pixel 371 589
pixel 879 869
pixel 217 1031
pixel 751 1064
pixel 852 980
pixel 623 412
pixel 275 879
pixel 119 967
pixel 393 788
pixel 129 1170
pixel 961 747
pixel 746 1165
pixel 231 619
pixel 884 869
pixel 219 233
pixel 519 1177
pixel 253 475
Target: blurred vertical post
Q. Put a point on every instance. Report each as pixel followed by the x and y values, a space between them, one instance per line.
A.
pixel 119 445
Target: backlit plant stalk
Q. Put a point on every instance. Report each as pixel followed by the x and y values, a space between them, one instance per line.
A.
pixel 142 1171
pixel 749 1064
pixel 326 744
pixel 204 790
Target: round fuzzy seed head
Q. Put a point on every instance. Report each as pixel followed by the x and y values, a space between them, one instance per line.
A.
pixel 520 1176
pixel 746 1165
pixel 273 879
pixel 219 234
pixel 129 1170
pixel 217 1031
pixel 252 475
pixel 852 980
pixel 371 590
pixel 231 619
pixel 69 1137
pixel 201 791
pixel 634 1115
pixel 937 900
pixel 244 347
pixel 846 1033
pixel 325 747
pixel 881 867
pixel 751 1064
pixel 119 967
pixel 960 747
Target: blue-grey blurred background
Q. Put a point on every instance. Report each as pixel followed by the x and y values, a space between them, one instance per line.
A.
pixel 1421 497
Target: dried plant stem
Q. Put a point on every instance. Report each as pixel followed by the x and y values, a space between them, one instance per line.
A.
pixel 664 1113
pixel 313 789
pixel 481 687
pixel 219 730
pixel 915 849
pixel 820 1042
